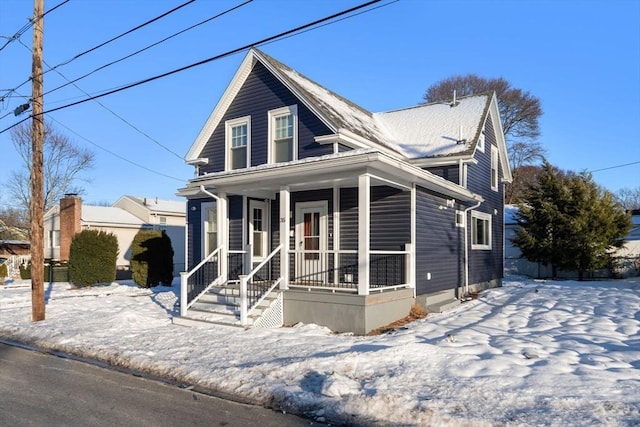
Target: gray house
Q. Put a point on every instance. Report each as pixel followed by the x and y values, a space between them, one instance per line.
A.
pixel 308 208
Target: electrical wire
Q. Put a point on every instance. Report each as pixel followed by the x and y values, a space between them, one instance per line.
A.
pixel 211 59
pixel 614 167
pixel 144 24
pixel 149 46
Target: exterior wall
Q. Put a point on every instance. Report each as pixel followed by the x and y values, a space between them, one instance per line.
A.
pixel 487 265
pixel 194 232
pixel 125 238
pixel 450 173
pixel 51 223
pixel 439 245
pixel 390 218
pixel 236 223
pixel 260 93
pixel 346 312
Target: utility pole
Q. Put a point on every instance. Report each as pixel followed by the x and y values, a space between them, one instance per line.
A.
pixel 37 187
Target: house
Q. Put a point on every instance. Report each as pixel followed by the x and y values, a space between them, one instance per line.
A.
pixel 628 255
pixel 124 219
pixel 308 208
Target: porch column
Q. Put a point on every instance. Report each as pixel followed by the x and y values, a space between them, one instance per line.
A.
pixel 364 202
pixel 223 234
pixel 285 208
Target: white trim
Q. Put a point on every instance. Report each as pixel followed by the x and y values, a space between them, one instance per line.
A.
pixel 323 207
pixel 413 254
pixel 204 220
pixel 285 208
pixel 499 133
pixel 459 219
pixel 259 204
pixel 273 114
pixel 228 126
pixel 336 228
pixel 483 217
pixel 364 237
pixel 481 141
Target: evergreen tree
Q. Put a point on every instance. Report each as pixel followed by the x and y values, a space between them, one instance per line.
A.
pixel 568 222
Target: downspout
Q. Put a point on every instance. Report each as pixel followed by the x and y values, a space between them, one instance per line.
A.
pixel 466 247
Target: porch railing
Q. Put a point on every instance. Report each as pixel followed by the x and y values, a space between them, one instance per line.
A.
pixel 338 270
pixel 14 262
pixel 256 285
pixel 199 280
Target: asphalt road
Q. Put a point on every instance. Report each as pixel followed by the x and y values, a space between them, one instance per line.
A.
pixel 38 389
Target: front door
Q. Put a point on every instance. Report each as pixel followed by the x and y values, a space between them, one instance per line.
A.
pixel 311 242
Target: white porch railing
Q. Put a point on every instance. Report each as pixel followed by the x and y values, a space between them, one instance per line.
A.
pixel 199 280
pixel 256 285
pixel 337 271
pixel 14 262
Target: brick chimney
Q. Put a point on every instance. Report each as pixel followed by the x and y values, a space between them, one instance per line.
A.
pixel 70 214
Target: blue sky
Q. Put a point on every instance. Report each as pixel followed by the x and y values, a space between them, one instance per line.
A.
pixel 581 58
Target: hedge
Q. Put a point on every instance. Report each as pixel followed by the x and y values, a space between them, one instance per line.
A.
pixel 92 258
pixel 152 258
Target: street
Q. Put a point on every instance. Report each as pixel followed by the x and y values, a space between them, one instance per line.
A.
pixel 39 389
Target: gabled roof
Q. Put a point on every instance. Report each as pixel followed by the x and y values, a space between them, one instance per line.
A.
pixel 159 206
pixel 425 131
pixel 108 215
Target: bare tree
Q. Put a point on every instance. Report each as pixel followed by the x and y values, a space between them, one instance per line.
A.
pixel 519 114
pixel 629 198
pixel 63 162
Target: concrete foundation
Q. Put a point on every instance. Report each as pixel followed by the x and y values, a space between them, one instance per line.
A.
pixel 359 314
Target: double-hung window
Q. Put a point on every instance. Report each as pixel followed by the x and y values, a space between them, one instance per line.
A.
pixel 258 223
pixel 480 230
pixel 283 134
pixel 494 168
pixel 238 141
pixel 210 227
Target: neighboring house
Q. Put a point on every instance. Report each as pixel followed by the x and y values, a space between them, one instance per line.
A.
pixel 322 212
pixel 628 255
pixel 71 216
pixel 160 214
pixel 14 253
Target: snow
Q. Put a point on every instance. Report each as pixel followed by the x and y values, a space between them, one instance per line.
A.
pixel 108 215
pixel 552 353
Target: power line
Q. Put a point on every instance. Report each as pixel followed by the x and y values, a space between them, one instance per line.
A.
pixel 149 46
pixel 144 24
pixel 211 59
pixel 614 167
pixel 28 25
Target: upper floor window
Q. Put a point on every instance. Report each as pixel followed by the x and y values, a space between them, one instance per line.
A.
pixel 494 168
pixel 283 134
pixel 480 230
pixel 238 142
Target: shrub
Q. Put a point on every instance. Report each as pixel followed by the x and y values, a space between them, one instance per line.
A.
pixel 92 258
pixel 25 271
pixel 4 271
pixel 151 258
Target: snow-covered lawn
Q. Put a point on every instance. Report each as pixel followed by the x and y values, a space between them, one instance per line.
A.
pixel 529 353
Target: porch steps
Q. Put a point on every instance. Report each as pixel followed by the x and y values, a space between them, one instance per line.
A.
pixel 221 306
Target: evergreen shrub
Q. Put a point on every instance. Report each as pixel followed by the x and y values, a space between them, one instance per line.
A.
pixel 4 271
pixel 25 271
pixel 92 258
pixel 152 258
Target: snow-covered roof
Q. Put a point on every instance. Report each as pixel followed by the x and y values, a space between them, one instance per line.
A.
pixel 438 129
pixel 108 215
pixel 157 205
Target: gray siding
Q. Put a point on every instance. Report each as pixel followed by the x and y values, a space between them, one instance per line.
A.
pixel 236 223
pixel 450 173
pixel 439 245
pixel 260 93
pixel 194 232
pixel 349 219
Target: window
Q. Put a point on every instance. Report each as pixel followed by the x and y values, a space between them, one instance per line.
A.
pixel 494 168
pixel 209 228
pixel 258 229
pixel 283 134
pixel 238 141
pixel 162 221
pixel 54 238
pixel 480 230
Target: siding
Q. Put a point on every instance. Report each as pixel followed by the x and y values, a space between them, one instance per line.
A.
pixel 349 218
pixel 260 93
pixel 390 219
pixel 194 230
pixel 450 173
pixel 236 223
pixel 485 265
pixel 439 245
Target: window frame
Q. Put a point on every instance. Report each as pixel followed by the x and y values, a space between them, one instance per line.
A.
pixel 291 110
pixel 261 205
pixel 485 217
pixel 494 169
pixel 229 125
pixel 204 221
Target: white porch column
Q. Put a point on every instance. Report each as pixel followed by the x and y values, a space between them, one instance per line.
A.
pixel 364 214
pixel 223 234
pixel 285 209
pixel 412 255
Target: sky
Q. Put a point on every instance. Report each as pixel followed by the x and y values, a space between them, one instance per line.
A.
pixel 581 58
pixel 531 353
